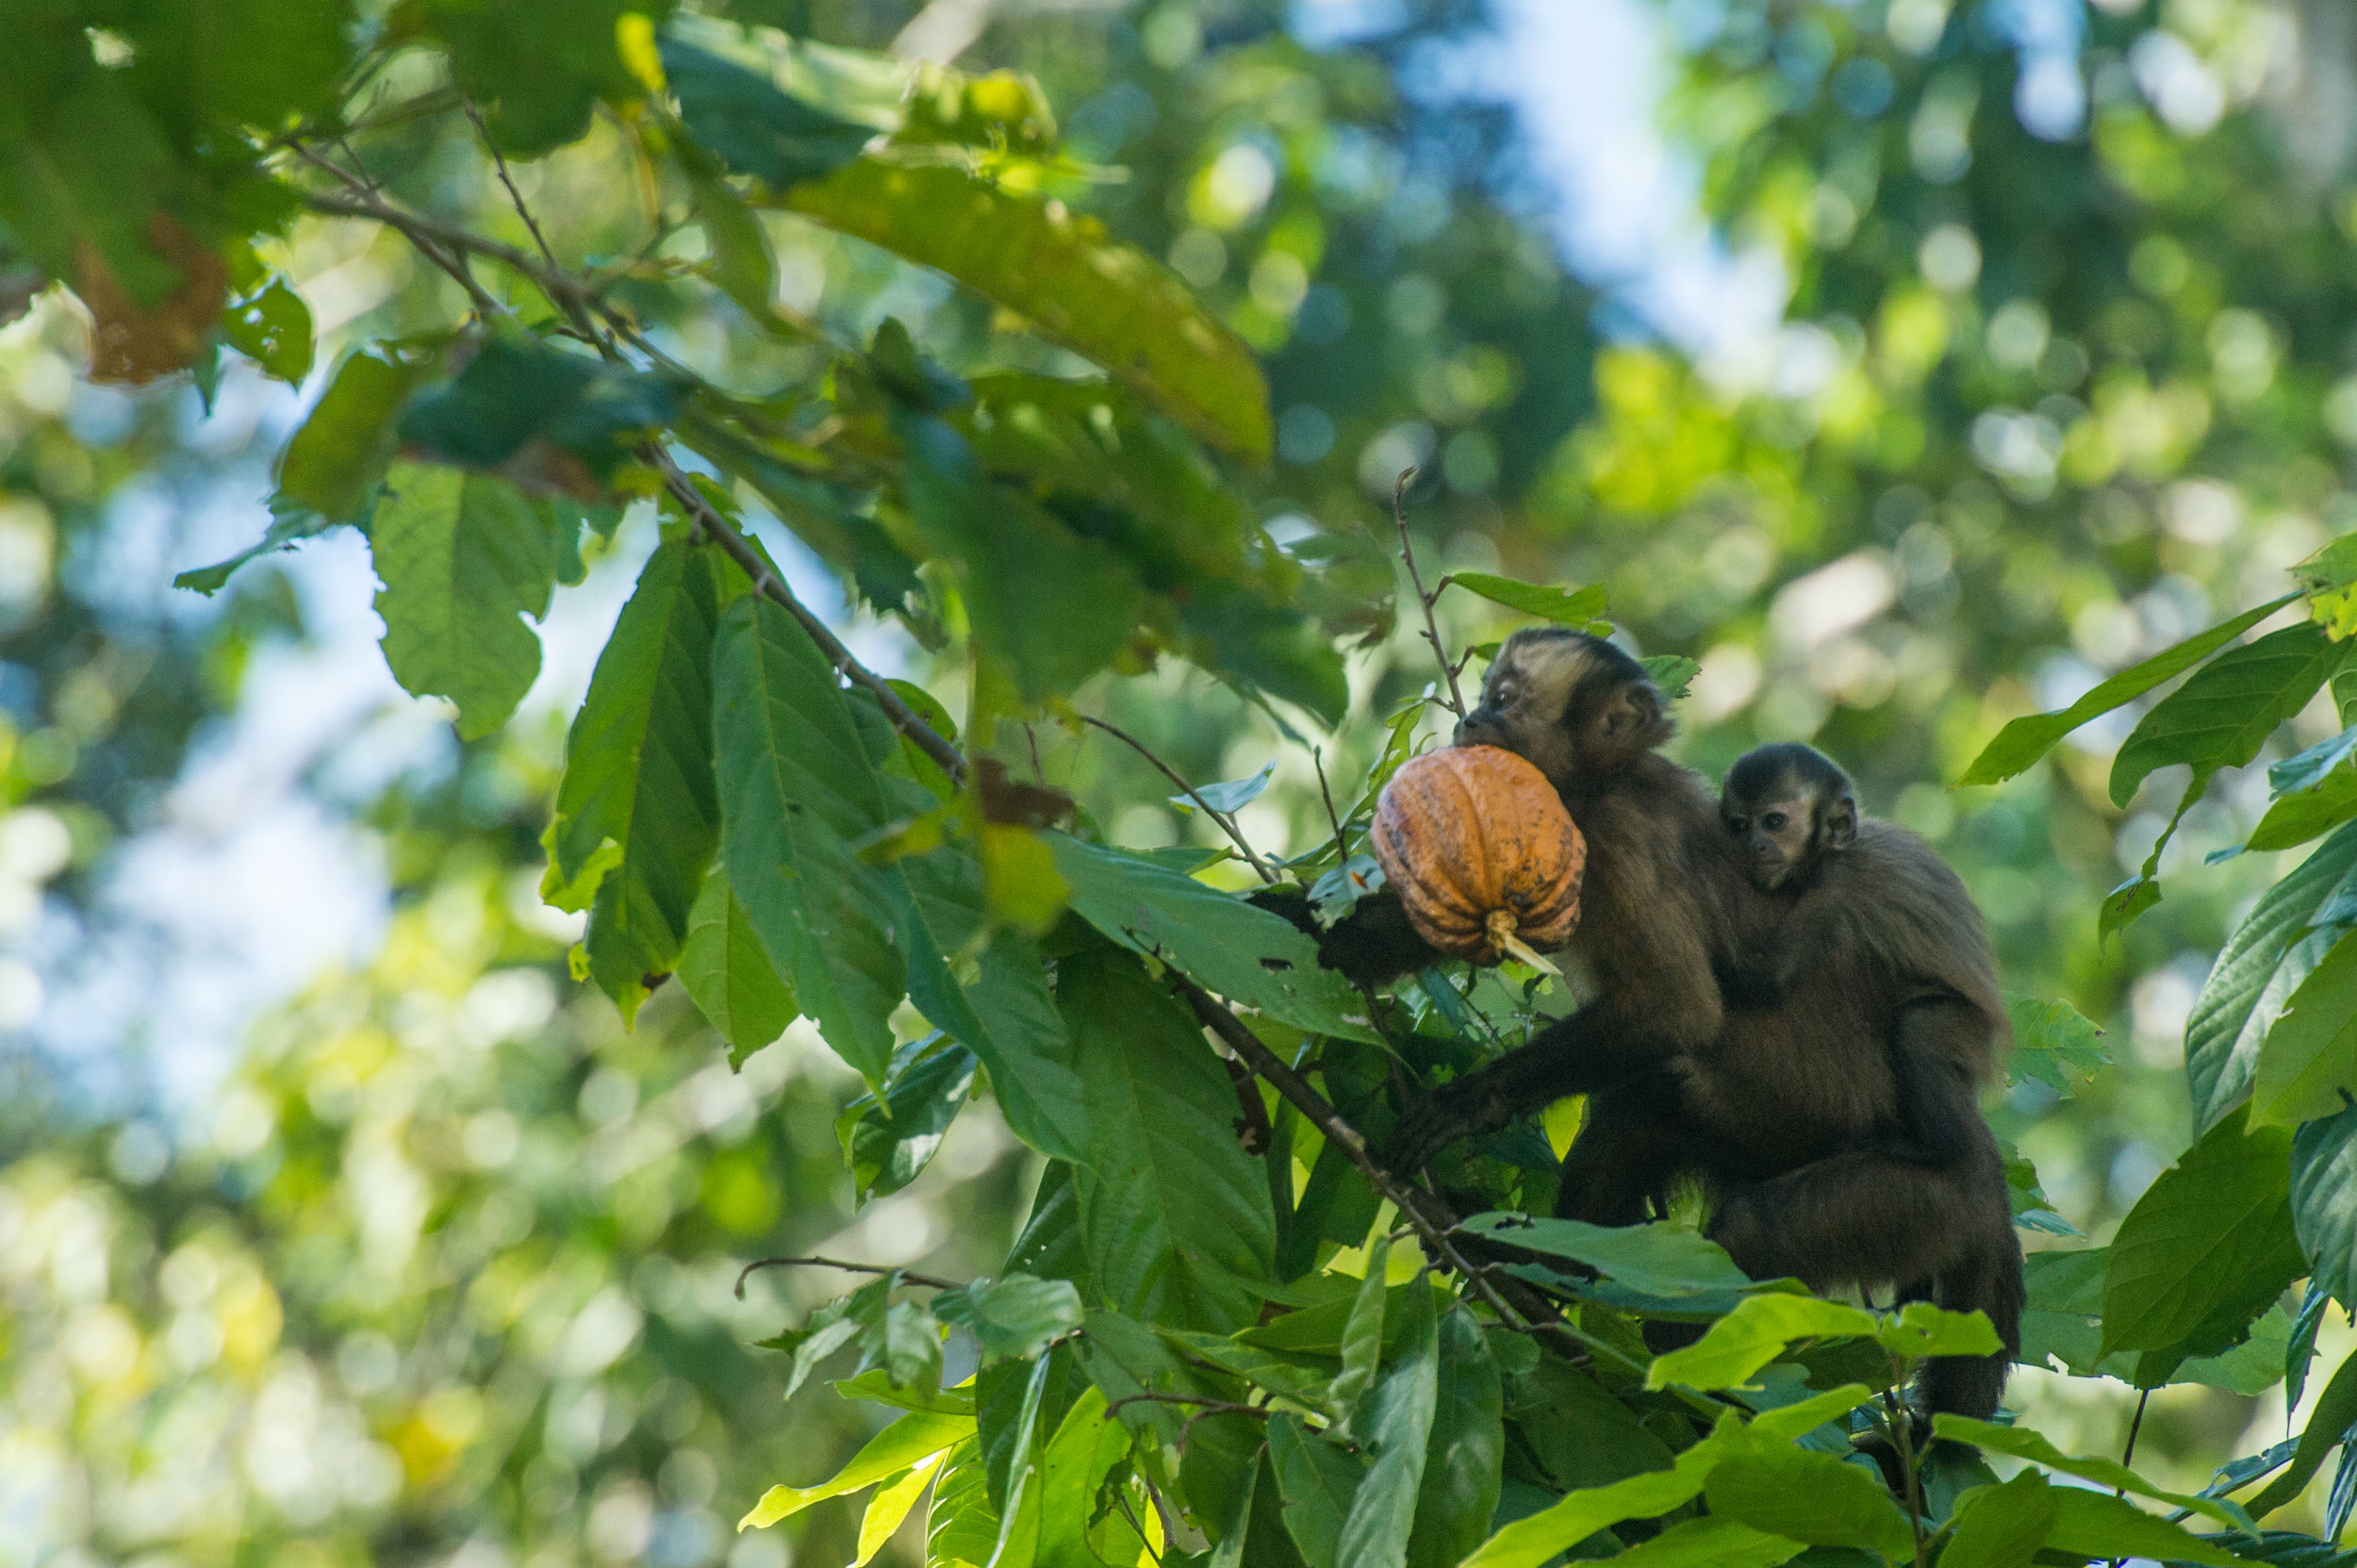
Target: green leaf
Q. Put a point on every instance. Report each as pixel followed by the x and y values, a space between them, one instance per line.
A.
pixel 2021 1442
pixel 2209 1244
pixel 2293 820
pixel 1237 1527
pixel 2053 1043
pixel 1062 272
pixel 1319 1483
pixel 1919 1330
pixel 2228 709
pixel 797 790
pixel 638 776
pixel 2091 1524
pixel 916 1436
pixel 1057 605
pixel 271 327
pixel 2335 1412
pixel 1174 1216
pixel 1809 1498
pixel 1565 606
pixel 2324 1202
pixel 2306 769
pixel 1233 794
pixel 890 1508
pixel 889 1142
pixel 339 457
pixel 743 119
pixel 1754 1334
pixel 2308 1061
pixel 1016 1316
pixel 2001 1526
pixel 961 1525
pixel 1086 1447
pixel 1020 1515
pixel 1530 1542
pixel 742 265
pixel 1224 943
pixel 241 62
pixel 2024 740
pixel 1710 1543
pixel 1658 1259
pixel 1396 1423
pixel 536 67
pixel 1362 1334
pixel 464 558
pixel 518 393
pixel 2246 993
pixel 1671 673
pixel 1459 1492
pixel 726 970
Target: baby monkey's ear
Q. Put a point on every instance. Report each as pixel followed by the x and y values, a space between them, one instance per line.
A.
pixel 1839 828
pixel 1632 709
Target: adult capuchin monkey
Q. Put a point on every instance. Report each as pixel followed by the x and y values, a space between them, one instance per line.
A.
pixel 1787 1113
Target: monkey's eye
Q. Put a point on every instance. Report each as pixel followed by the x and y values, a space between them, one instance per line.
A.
pixel 1773 821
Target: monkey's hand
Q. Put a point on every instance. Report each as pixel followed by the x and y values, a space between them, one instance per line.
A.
pixel 1466 1109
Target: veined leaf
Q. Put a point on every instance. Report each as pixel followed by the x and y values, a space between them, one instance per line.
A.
pixel 797 790
pixel 1067 277
pixel 638 775
pixel 1174 1216
pixel 728 972
pixel 2053 1043
pixel 1673 673
pixel 2308 1061
pixel 2335 1412
pixel 888 1142
pixel 1658 1259
pixel 2307 769
pixel 464 558
pixel 2024 740
pixel 1395 1423
pixel 1754 1334
pixel 1228 946
pixel 2021 1442
pixel 1460 1493
pixel 2228 709
pixel 2295 818
pixel 2324 1205
pixel 1531 1541
pixel 1565 606
pixel 2001 1526
pixel 1319 1482
pixel 1810 1497
pixel 1711 1543
pixel 1016 1316
pixel 2245 994
pixel 2209 1244
pixel 918 1435
pixel 2093 1525
pixel 891 1505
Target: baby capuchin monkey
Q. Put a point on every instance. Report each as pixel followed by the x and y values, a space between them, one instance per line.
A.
pixel 1872 902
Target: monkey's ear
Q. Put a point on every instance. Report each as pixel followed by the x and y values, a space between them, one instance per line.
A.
pixel 1633 709
pixel 1840 828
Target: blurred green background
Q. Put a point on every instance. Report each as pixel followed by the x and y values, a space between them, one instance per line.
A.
pixel 1910 366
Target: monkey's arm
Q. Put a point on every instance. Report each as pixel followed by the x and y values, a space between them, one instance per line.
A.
pixel 1589 1050
pixel 1373 944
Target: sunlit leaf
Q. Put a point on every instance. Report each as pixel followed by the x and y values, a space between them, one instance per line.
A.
pixel 2207 1248
pixel 2024 740
pixel 2023 1443
pixel 889 1142
pixel 1067 277
pixel 2053 1043
pixel 2228 709
pixel 1395 1423
pixel 2308 1061
pixel 1565 606
pixel 464 558
pixel 918 1435
pixel 728 972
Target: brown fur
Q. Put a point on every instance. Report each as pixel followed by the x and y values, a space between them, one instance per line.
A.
pixel 1832 1121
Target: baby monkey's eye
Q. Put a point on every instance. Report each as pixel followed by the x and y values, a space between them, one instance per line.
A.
pixel 1772 821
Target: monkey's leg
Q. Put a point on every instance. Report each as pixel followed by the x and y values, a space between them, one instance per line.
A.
pixel 1630 1148
pixel 1863 1217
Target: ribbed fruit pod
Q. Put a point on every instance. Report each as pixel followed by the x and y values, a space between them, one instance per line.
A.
pixel 1485 860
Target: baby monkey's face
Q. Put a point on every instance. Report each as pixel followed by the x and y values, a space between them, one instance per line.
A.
pixel 1775 835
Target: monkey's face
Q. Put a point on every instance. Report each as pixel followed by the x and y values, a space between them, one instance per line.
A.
pixel 1565 703
pixel 1775 835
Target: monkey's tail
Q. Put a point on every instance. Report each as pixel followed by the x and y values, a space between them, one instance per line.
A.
pixel 1989 1280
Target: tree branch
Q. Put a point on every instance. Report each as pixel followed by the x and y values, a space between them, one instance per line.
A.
pixel 724 534
pixel 1431 627
pixel 906 1276
pixel 1514 1301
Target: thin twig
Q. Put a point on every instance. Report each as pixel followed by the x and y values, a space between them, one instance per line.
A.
pixel 1253 1132
pixel 1431 627
pixel 2128 1453
pixel 514 195
pixel 1902 1424
pixel 1227 823
pixel 724 534
pixel 1213 1407
pixel 448 260
pixel 906 1276
pixel 1342 840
